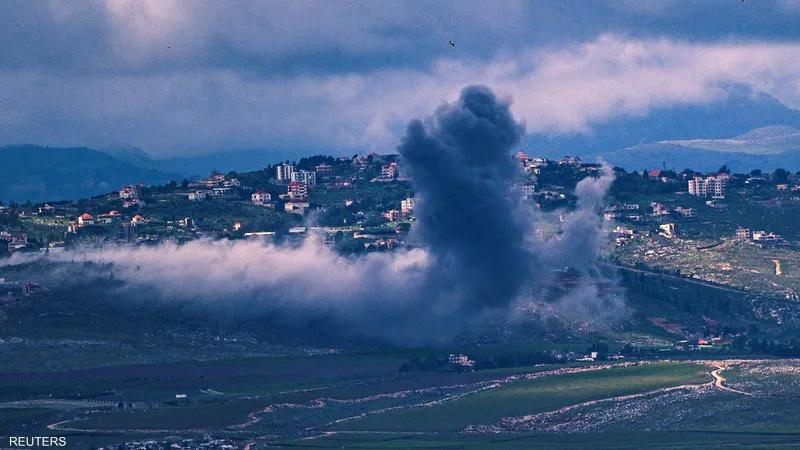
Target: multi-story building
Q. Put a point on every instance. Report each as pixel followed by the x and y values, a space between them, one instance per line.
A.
pixel 283 172
pixel 305 176
pixel 389 171
pixel 323 169
pixel 407 206
pixel 714 186
pixel 298 190
pixel 743 233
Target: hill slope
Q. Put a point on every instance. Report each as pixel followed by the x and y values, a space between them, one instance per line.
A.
pixel 40 174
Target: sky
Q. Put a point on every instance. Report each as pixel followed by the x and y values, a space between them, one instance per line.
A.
pixel 182 78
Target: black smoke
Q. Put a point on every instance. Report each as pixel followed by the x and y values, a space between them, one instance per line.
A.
pixel 461 169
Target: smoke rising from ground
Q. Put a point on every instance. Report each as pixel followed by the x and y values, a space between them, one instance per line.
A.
pixel 472 252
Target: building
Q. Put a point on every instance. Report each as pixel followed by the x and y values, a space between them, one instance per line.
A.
pixel 713 186
pixel 85 219
pixel 305 176
pixel 393 215
pixel 214 180
pixel 283 172
pixel 296 207
pixel 138 220
pixel 659 210
pixel 323 169
pixel 743 233
pixel 389 171
pixel 407 206
pixel 460 360
pixel 685 212
pixel 528 190
pixel 667 230
pixel 199 195
pixel 570 161
pixel 298 190
pixel 260 197
pixel 129 192
pixel 766 237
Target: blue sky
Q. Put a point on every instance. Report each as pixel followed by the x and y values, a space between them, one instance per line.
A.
pixel 190 77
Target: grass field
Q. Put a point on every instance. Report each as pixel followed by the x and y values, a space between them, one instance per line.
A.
pixel 631 440
pixel 532 396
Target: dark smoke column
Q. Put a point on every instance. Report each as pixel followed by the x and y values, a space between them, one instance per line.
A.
pixel 461 168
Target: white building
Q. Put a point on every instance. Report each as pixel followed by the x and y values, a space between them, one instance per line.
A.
pixel 200 195
pixel 305 176
pixel 260 197
pixel 323 169
pixel 129 192
pixel 283 172
pixel 685 212
pixel 710 186
pixel 407 206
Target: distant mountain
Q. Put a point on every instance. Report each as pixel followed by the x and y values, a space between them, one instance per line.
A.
pixel 223 161
pixel 39 174
pixel 772 140
pixel 733 116
pixel 763 148
pixel 677 157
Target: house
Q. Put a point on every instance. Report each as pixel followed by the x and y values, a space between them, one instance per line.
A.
pixel 233 182
pixel 215 179
pixel 110 217
pixel 393 215
pixel 296 207
pixel 685 212
pixel 138 220
pixel 460 360
pixel 85 219
pixel 570 161
pixel 200 195
pixel 129 192
pixel 260 197
pixel 667 230
pixel 528 189
pixel 659 209
pixel 132 202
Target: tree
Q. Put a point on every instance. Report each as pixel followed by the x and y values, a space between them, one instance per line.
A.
pixel 724 169
pixel 780 176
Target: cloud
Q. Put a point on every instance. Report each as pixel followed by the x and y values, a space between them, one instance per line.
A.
pixel 558 90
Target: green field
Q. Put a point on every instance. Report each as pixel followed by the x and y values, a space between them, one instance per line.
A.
pixel 630 440
pixel 532 396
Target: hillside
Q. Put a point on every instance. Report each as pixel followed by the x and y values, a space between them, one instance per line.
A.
pixel 40 174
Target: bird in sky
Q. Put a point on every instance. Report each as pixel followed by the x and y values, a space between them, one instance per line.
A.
pixel 452 44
